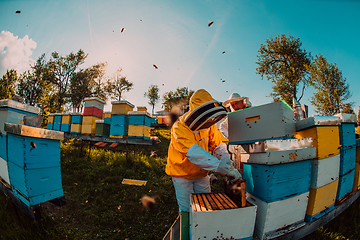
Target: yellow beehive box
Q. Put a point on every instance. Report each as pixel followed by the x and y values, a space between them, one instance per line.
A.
pixel 88 129
pixel 66 119
pixel 106 115
pixel 50 118
pixel 139 131
pixel 141 108
pixel 325 139
pixel 75 128
pixel 89 120
pixel 121 107
pixel 321 200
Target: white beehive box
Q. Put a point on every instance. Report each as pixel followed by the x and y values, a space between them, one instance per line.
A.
pixel 324 171
pixel 212 218
pixel 4 171
pixel 277 218
pixel 269 121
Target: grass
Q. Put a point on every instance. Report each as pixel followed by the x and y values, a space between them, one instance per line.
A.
pixel 100 207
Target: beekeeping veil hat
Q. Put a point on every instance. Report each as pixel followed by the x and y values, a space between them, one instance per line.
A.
pixel 204 111
pixel 234 97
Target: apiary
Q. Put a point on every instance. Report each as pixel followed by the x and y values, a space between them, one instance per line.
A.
pixel 232 222
pixel 324 171
pixel 139 132
pixel 139 118
pixel 279 217
pixel 14 112
pixel 102 129
pixel 121 107
pixel 321 201
pixel 269 121
pixel 34 163
pixel 346 183
pixel 277 182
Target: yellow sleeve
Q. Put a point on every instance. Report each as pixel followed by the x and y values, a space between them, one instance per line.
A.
pixel 215 138
pixel 182 137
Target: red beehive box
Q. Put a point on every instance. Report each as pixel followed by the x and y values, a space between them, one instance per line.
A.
pixel 94 111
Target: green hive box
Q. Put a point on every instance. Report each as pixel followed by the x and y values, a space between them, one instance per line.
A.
pixel 102 129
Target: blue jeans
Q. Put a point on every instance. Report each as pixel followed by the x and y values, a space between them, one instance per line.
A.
pixel 184 187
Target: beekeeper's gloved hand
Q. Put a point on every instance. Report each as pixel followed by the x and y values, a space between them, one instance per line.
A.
pixel 222 153
pixel 226 170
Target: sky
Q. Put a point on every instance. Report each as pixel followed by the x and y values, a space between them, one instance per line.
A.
pixel 176 37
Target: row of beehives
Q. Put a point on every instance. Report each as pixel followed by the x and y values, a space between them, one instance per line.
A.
pixel 294 172
pixel 121 122
pixel 29 156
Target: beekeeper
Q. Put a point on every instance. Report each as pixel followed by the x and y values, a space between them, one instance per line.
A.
pixel 194 137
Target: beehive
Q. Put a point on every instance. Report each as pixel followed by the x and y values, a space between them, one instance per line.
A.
pixel 347 160
pixel 321 201
pixel 57 121
pixel 324 171
pixel 346 183
pixel 75 128
pixel 139 132
pixel 76 118
pixel 4 172
pixel 277 182
pixel 121 107
pixel 268 121
pixel 234 222
pixel 107 117
pixel 102 129
pixel 93 111
pixel 119 126
pixel 279 217
pixel 142 108
pixel 139 118
pixel 94 102
pixel 34 163
pixel 65 122
pixel 88 124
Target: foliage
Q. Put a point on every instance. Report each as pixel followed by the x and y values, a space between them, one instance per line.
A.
pixel 62 68
pixel 118 84
pixel 348 108
pixel 332 90
pixel 153 95
pixel 283 62
pixel 8 83
pixel 97 73
pixel 179 98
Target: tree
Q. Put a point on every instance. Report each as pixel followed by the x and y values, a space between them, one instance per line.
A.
pixel 118 84
pixel 332 90
pixel 153 95
pixel 348 108
pixel 180 97
pixel 62 68
pixel 283 62
pixel 8 83
pixel 97 73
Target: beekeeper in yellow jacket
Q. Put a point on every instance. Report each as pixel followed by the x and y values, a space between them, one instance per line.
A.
pixel 194 137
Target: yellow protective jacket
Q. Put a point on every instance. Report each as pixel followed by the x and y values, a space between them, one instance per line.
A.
pixel 182 138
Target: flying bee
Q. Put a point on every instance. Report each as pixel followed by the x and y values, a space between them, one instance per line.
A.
pixel 148 202
pixel 210 23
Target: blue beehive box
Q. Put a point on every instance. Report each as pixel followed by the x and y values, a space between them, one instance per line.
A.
pixel 347 134
pixel 34 163
pixel 277 182
pixel 50 126
pixel 347 160
pixel 118 131
pixel 121 120
pixel 3 146
pixel 76 118
pixel 57 127
pixel 345 184
pixel 139 118
pixel 65 127
pixel 57 118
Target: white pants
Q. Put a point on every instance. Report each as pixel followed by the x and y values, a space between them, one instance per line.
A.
pixel 184 187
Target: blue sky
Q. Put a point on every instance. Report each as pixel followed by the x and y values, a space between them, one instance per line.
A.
pixel 175 36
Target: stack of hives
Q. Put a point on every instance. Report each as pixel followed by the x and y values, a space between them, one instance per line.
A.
pixel 50 121
pixel 57 121
pixel 93 111
pixel 65 122
pixel 139 124
pixel 119 118
pixel 324 130
pixel 76 123
pixel 276 167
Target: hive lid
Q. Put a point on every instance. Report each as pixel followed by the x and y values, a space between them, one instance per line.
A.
pixel 123 102
pixel 139 113
pixel 317 121
pixel 346 117
pixel 94 99
pixel 33 131
pixel 20 106
pixel 76 114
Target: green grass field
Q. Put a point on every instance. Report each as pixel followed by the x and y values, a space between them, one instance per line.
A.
pixel 98 206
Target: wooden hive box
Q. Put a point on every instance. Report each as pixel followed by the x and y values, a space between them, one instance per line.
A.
pixel 271 152
pixel 272 183
pixel 121 107
pixel 279 217
pixel 94 102
pixel 89 126
pixel 139 118
pixel 325 139
pixel 50 118
pixel 321 201
pixel 93 111
pixel 75 128
pixel 34 163
pixel 356 185
pixel 139 131
pixel 102 129
pixel 107 117
pixel 268 121
pixel 4 171
pixel 347 135
pixel 66 118
pixel 50 126
pixel 57 121
pixel 142 108
pixel 65 127
pixel 324 171
pixel 216 216
pixel 119 120
pixel 347 160
pixel 118 131
pixel 76 118
pixel 14 112
pixel 346 183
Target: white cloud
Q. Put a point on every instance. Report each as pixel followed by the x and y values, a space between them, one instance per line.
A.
pixel 15 53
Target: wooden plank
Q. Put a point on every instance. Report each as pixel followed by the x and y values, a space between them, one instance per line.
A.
pixel 201 203
pixel 103 145
pixel 243 193
pixel 231 201
pixel 207 204
pixel 217 202
pixel 196 203
pixel 98 143
pixel 211 201
pixel 227 200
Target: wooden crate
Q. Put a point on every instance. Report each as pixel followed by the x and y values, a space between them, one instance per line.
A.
pixel 66 119
pixel 324 171
pixel 65 127
pixel 139 131
pixel 122 120
pixel 272 183
pixel 76 118
pixel 94 102
pixel 4 172
pixel 139 118
pixel 321 201
pixel 268 121
pixel 121 107
pixel 227 220
pixel 277 218
pixel 118 131
pixel 93 111
pixel 102 129
pixel 75 128
pixel 346 183
pixel 325 139
pixel 347 159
